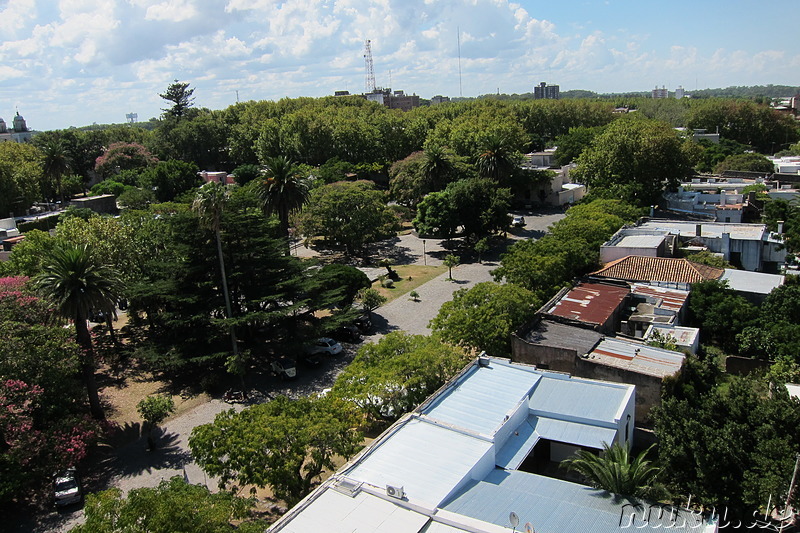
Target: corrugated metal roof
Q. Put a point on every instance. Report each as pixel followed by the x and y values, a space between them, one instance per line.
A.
pixel 670 299
pixel 525 437
pixel 334 512
pixel 555 506
pixel 576 398
pixel 480 401
pixel 573 433
pixel 755 282
pixel 591 303
pixel 684 336
pixel 636 357
pixel 426 459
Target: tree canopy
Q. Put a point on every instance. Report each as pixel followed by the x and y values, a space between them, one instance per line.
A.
pixel 485 316
pixel 180 96
pixel 634 159
pixel 285 444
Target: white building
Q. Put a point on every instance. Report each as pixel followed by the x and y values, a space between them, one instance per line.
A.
pixel 467 459
pixel 18 132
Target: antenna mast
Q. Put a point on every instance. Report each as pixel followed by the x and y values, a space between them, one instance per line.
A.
pixel 458 33
pixel 370 81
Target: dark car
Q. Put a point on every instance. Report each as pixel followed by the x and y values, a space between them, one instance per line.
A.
pixel 347 334
pixel 363 323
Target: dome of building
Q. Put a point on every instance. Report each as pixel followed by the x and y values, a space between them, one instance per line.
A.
pixel 3 128
pixel 19 123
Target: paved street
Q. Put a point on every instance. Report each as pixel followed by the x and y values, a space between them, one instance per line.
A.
pixel 132 466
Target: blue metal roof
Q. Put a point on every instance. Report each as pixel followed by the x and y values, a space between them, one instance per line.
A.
pixel 525 437
pixel 579 399
pixel 427 460
pixel 482 398
pixel 555 506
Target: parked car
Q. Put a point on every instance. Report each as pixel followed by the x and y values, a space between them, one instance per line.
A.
pixel 324 345
pixel 67 489
pixel 363 323
pixel 518 221
pixel 347 334
pixel 284 368
pixel 310 359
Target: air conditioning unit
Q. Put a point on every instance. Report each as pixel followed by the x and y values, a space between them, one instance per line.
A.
pixel 395 492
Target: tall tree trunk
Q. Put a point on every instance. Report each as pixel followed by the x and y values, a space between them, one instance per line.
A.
pixel 234 344
pixel 283 217
pixel 84 338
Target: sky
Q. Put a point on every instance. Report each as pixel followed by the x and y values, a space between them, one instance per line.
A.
pixel 76 62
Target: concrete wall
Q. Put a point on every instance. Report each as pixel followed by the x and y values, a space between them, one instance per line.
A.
pixel 105 204
pixel 545 357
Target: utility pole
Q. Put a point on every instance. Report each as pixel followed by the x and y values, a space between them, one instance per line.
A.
pixel 791 490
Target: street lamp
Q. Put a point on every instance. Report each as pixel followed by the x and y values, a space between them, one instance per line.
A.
pixel 424 256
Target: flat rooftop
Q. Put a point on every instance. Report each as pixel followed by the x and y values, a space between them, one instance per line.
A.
pixel 640 241
pixel 714 230
pixel 550 333
pixel 754 282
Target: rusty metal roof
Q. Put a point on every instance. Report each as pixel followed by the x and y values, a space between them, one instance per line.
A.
pixel 591 303
pixel 639 358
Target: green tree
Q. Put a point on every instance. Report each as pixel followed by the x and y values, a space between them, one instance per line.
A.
pixel 485 316
pixel 174 506
pixel 720 312
pixel 244 174
pixel 346 280
pixel 20 177
pixel 617 472
pixel 282 191
pixel 154 410
pixel 481 247
pixel 208 204
pixel 394 375
pixel 348 214
pixel 450 261
pixel 731 446
pixel 571 145
pixel 289 444
pixel 75 283
pixel 180 95
pixel 482 206
pixel 168 179
pixel 55 164
pixel 497 160
pixel 370 299
pixel 634 159
pixel 745 162
pixel 436 216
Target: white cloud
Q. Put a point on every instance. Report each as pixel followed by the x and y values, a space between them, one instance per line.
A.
pixel 172 10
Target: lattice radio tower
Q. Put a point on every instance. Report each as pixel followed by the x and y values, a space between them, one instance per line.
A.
pixel 370 81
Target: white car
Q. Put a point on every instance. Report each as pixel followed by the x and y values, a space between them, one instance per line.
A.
pixel 518 221
pixel 325 345
pixel 67 489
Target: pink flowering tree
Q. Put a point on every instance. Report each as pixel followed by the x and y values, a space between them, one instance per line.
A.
pixel 123 156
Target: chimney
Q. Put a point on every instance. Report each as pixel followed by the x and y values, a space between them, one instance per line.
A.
pixel 652 210
pixel 780 227
pixel 698 230
pixel 726 246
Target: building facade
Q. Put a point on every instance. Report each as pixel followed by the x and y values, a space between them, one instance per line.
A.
pixel 546 92
pixel 18 132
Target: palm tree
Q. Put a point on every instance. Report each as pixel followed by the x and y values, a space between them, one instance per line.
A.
pixel 614 471
pixel 76 282
pixel 55 164
pixel 282 191
pixel 437 167
pixel 496 160
pixel 209 204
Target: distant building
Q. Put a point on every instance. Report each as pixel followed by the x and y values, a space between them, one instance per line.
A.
pixel 545 92
pixel 680 92
pixel 341 93
pixel 660 93
pixel 439 99
pixel 18 132
pixel 393 100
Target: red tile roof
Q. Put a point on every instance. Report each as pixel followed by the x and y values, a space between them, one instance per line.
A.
pixel 670 269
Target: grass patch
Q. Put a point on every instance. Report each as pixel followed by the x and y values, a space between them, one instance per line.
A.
pixel 419 275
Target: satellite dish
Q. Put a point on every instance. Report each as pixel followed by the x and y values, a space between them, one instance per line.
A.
pixel 529 528
pixel 513 519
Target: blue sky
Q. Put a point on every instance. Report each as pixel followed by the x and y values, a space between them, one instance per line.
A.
pixel 74 62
